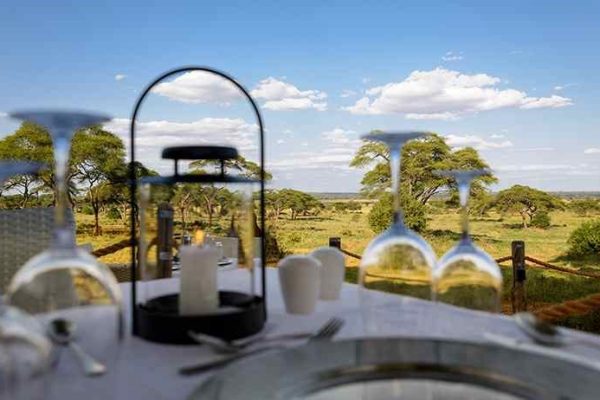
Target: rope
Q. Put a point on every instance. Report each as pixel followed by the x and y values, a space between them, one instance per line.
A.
pixel 350 254
pixel 503 259
pixel 569 308
pixel 353 255
pixel 113 248
pixel 561 269
pixel 123 244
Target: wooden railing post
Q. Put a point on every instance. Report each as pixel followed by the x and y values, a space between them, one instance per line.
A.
pixel 518 295
pixel 335 242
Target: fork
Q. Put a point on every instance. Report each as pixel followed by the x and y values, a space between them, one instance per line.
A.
pixel 326 332
pixel 234 346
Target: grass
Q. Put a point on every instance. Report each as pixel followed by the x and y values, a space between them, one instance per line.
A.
pixel 493 233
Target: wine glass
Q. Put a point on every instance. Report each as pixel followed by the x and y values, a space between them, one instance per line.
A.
pixel 467 276
pixel 65 285
pixel 398 261
pixel 24 348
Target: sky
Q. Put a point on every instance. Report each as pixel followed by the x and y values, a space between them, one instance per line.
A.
pixel 517 80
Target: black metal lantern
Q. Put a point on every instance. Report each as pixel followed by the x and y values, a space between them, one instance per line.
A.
pixel 166 310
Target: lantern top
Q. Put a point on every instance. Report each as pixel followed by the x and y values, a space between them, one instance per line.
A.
pixel 199 153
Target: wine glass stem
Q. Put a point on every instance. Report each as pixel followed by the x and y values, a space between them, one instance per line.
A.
pixel 464 187
pixel 63 235
pixel 395 166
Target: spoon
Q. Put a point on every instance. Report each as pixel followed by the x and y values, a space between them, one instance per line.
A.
pixel 545 333
pixel 62 332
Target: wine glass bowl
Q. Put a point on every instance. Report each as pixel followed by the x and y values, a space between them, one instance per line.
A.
pixel 398 261
pixel 466 275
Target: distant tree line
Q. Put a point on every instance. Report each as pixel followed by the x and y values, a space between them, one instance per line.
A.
pixel 98 175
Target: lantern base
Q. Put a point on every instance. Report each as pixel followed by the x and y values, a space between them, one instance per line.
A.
pixel 239 315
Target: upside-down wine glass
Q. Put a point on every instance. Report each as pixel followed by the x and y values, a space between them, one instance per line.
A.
pixel 24 348
pixel 398 261
pixel 466 275
pixel 65 285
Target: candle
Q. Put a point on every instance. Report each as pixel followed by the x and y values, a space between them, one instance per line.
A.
pixel 198 280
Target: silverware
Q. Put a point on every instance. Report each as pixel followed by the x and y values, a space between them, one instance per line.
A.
pixel 62 332
pixel 545 333
pixel 234 346
pixel 327 331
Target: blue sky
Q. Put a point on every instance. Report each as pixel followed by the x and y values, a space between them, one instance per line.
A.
pixel 517 80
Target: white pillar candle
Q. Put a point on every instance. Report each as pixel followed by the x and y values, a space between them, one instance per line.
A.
pixel 198 292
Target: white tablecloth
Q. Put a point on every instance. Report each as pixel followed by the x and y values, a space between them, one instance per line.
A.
pixel 150 371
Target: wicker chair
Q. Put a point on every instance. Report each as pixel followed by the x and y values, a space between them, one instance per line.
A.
pixel 23 234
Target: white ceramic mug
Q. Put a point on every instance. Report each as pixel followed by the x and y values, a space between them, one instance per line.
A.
pixel 333 267
pixel 299 282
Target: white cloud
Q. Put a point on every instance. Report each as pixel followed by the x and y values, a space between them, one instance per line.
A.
pixel 497 136
pixel 3 115
pixel 347 93
pixel 120 77
pixel 558 88
pixel 536 167
pixel 365 80
pixel 445 116
pixel 199 87
pixel 336 158
pixel 280 141
pixel 452 56
pixel 553 101
pixel 280 95
pixel 476 142
pixel 288 132
pixel 340 136
pixel 446 94
pixel 335 151
pixel 533 149
pixel 592 150
pixel 158 134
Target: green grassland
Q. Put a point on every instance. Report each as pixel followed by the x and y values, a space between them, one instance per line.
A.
pixel 493 233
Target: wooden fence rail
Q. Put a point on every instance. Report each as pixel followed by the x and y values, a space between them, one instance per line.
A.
pixel 518 293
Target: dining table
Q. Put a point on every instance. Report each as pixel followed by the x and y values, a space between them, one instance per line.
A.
pixel 147 370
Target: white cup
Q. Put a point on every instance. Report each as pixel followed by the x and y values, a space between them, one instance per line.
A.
pixel 299 281
pixel 333 267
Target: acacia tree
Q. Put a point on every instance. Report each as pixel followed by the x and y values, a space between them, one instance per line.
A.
pixel 118 189
pixel 30 143
pixel 526 201
pixel 215 200
pixel 420 159
pixel 97 157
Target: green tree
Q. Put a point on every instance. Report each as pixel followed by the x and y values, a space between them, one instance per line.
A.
pixel 526 201
pixel 381 215
pixel 585 240
pixel 420 159
pixel 97 158
pixel 32 143
pixel 419 182
pixel 584 207
pixel 245 167
pixel 541 219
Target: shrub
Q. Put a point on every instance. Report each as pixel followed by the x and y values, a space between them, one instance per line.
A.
pixel 380 216
pixel 541 220
pixel 87 209
pixel 113 213
pixel 585 240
